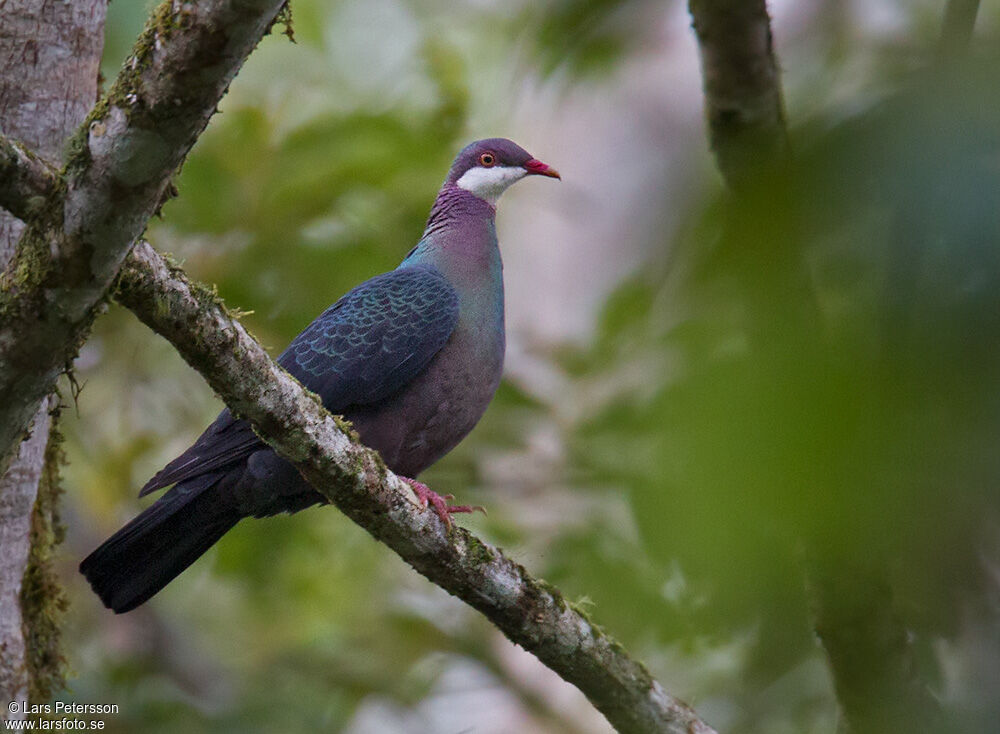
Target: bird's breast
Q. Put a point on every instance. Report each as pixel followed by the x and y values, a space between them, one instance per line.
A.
pixel 428 417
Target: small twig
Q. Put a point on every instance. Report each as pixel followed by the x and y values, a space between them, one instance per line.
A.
pixel 26 181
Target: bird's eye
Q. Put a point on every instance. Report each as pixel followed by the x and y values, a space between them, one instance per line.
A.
pixel 487 159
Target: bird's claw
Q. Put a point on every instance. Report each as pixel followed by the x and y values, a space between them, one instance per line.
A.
pixel 427 496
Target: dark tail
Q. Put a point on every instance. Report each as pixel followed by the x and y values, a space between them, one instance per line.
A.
pixel 167 537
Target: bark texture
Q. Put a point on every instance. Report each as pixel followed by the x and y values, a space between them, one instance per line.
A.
pixel 25 183
pixel 118 168
pixel 49 56
pixel 528 611
pixel 18 490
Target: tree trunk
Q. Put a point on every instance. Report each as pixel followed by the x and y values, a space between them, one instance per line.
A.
pixel 49 56
pixel 18 490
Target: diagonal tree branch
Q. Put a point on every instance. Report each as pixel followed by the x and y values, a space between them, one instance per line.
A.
pixel 529 612
pixel 80 228
pixel 118 168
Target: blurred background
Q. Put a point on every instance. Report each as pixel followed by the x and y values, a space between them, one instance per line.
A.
pixel 700 394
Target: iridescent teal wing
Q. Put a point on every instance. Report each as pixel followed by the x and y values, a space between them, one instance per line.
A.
pixel 361 350
pixel 375 339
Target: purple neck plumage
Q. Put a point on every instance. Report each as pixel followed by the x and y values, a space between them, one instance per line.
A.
pixel 461 242
pixel 455 206
pixel 460 239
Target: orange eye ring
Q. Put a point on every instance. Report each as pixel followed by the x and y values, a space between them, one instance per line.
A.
pixel 487 160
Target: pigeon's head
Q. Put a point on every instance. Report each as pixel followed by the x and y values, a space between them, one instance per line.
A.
pixel 487 167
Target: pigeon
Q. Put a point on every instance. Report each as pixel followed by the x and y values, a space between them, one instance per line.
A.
pixel 411 358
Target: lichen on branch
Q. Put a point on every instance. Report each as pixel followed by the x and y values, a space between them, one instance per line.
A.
pixel 292 420
pixel 117 171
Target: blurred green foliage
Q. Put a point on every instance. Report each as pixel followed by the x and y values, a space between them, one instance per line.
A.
pixel 838 388
pixel 809 371
pixel 584 36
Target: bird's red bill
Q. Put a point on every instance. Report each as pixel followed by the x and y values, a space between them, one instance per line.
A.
pixel 542 169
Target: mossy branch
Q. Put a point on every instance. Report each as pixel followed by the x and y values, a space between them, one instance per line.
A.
pixel 49 55
pixel 26 181
pixel 43 600
pixel 292 420
pixel 118 167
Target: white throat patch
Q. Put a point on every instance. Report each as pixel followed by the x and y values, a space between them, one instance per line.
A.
pixel 489 183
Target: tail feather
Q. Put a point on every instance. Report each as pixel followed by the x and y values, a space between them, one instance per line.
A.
pixel 151 550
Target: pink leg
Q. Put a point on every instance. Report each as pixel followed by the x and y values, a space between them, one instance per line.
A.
pixel 439 503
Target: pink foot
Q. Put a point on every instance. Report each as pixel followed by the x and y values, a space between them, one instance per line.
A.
pixel 439 503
